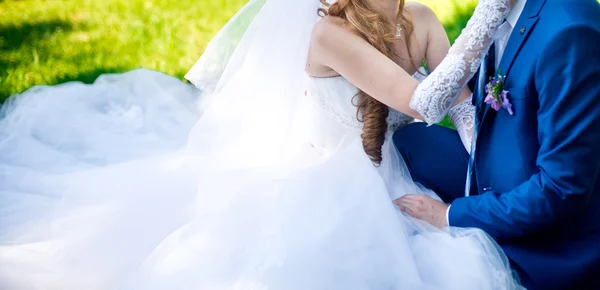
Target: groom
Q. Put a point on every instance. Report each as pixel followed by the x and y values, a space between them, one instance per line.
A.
pixel 534 175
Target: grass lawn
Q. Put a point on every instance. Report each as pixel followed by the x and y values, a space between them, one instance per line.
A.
pixel 55 41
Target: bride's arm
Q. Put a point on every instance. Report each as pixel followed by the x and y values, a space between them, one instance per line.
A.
pixel 335 47
pixel 438 44
pixel 437 93
pixel 462 113
pixel 349 55
pixel 463 118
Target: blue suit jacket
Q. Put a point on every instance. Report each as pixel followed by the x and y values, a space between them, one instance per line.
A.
pixel 538 171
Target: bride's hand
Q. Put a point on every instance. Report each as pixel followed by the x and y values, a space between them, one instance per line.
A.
pixel 424 208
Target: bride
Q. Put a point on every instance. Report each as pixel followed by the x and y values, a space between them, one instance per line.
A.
pixel 281 176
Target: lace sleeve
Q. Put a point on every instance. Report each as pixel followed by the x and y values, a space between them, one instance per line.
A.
pixel 434 97
pixel 463 118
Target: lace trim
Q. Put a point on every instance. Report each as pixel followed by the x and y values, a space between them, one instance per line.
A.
pixel 397 120
pixel 463 118
pixel 337 116
pixel 434 97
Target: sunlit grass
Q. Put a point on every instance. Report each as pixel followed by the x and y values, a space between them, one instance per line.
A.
pixel 49 42
pixel 54 41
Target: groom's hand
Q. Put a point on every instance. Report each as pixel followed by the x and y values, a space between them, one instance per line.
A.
pixel 424 208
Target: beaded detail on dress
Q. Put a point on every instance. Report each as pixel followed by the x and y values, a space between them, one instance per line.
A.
pixel 334 95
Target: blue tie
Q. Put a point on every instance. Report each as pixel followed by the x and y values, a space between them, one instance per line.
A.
pixel 485 71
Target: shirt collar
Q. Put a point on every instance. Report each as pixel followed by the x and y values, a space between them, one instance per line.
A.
pixel 515 13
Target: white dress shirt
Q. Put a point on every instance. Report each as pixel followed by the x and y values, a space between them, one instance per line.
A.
pixel 505 30
pixel 501 40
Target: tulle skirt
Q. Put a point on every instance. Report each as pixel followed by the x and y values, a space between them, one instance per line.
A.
pixel 99 191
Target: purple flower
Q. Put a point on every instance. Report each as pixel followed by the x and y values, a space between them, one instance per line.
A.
pixel 489 99
pixel 505 102
pixel 496 95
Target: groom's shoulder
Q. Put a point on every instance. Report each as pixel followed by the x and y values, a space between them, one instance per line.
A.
pixel 566 30
pixel 567 13
pixel 560 20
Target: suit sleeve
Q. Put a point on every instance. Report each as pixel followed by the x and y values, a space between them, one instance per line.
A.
pixel 568 160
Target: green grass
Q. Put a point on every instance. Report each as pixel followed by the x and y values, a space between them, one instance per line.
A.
pixel 55 41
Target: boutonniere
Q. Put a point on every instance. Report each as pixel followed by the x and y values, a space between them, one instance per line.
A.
pixel 496 95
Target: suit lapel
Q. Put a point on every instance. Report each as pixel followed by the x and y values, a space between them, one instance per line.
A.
pixel 529 17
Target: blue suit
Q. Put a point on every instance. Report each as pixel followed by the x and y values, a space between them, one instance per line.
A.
pixel 536 174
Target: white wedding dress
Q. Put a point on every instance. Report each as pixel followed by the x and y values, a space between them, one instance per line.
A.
pixel 137 182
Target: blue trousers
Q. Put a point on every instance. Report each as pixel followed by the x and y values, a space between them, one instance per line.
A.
pixel 435 157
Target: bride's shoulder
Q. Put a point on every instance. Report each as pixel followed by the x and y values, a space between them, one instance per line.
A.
pixel 329 25
pixel 419 12
pixel 422 17
pixel 331 38
pixel 425 23
pixel 332 33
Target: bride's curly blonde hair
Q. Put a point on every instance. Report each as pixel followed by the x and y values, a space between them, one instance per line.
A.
pixel 380 32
